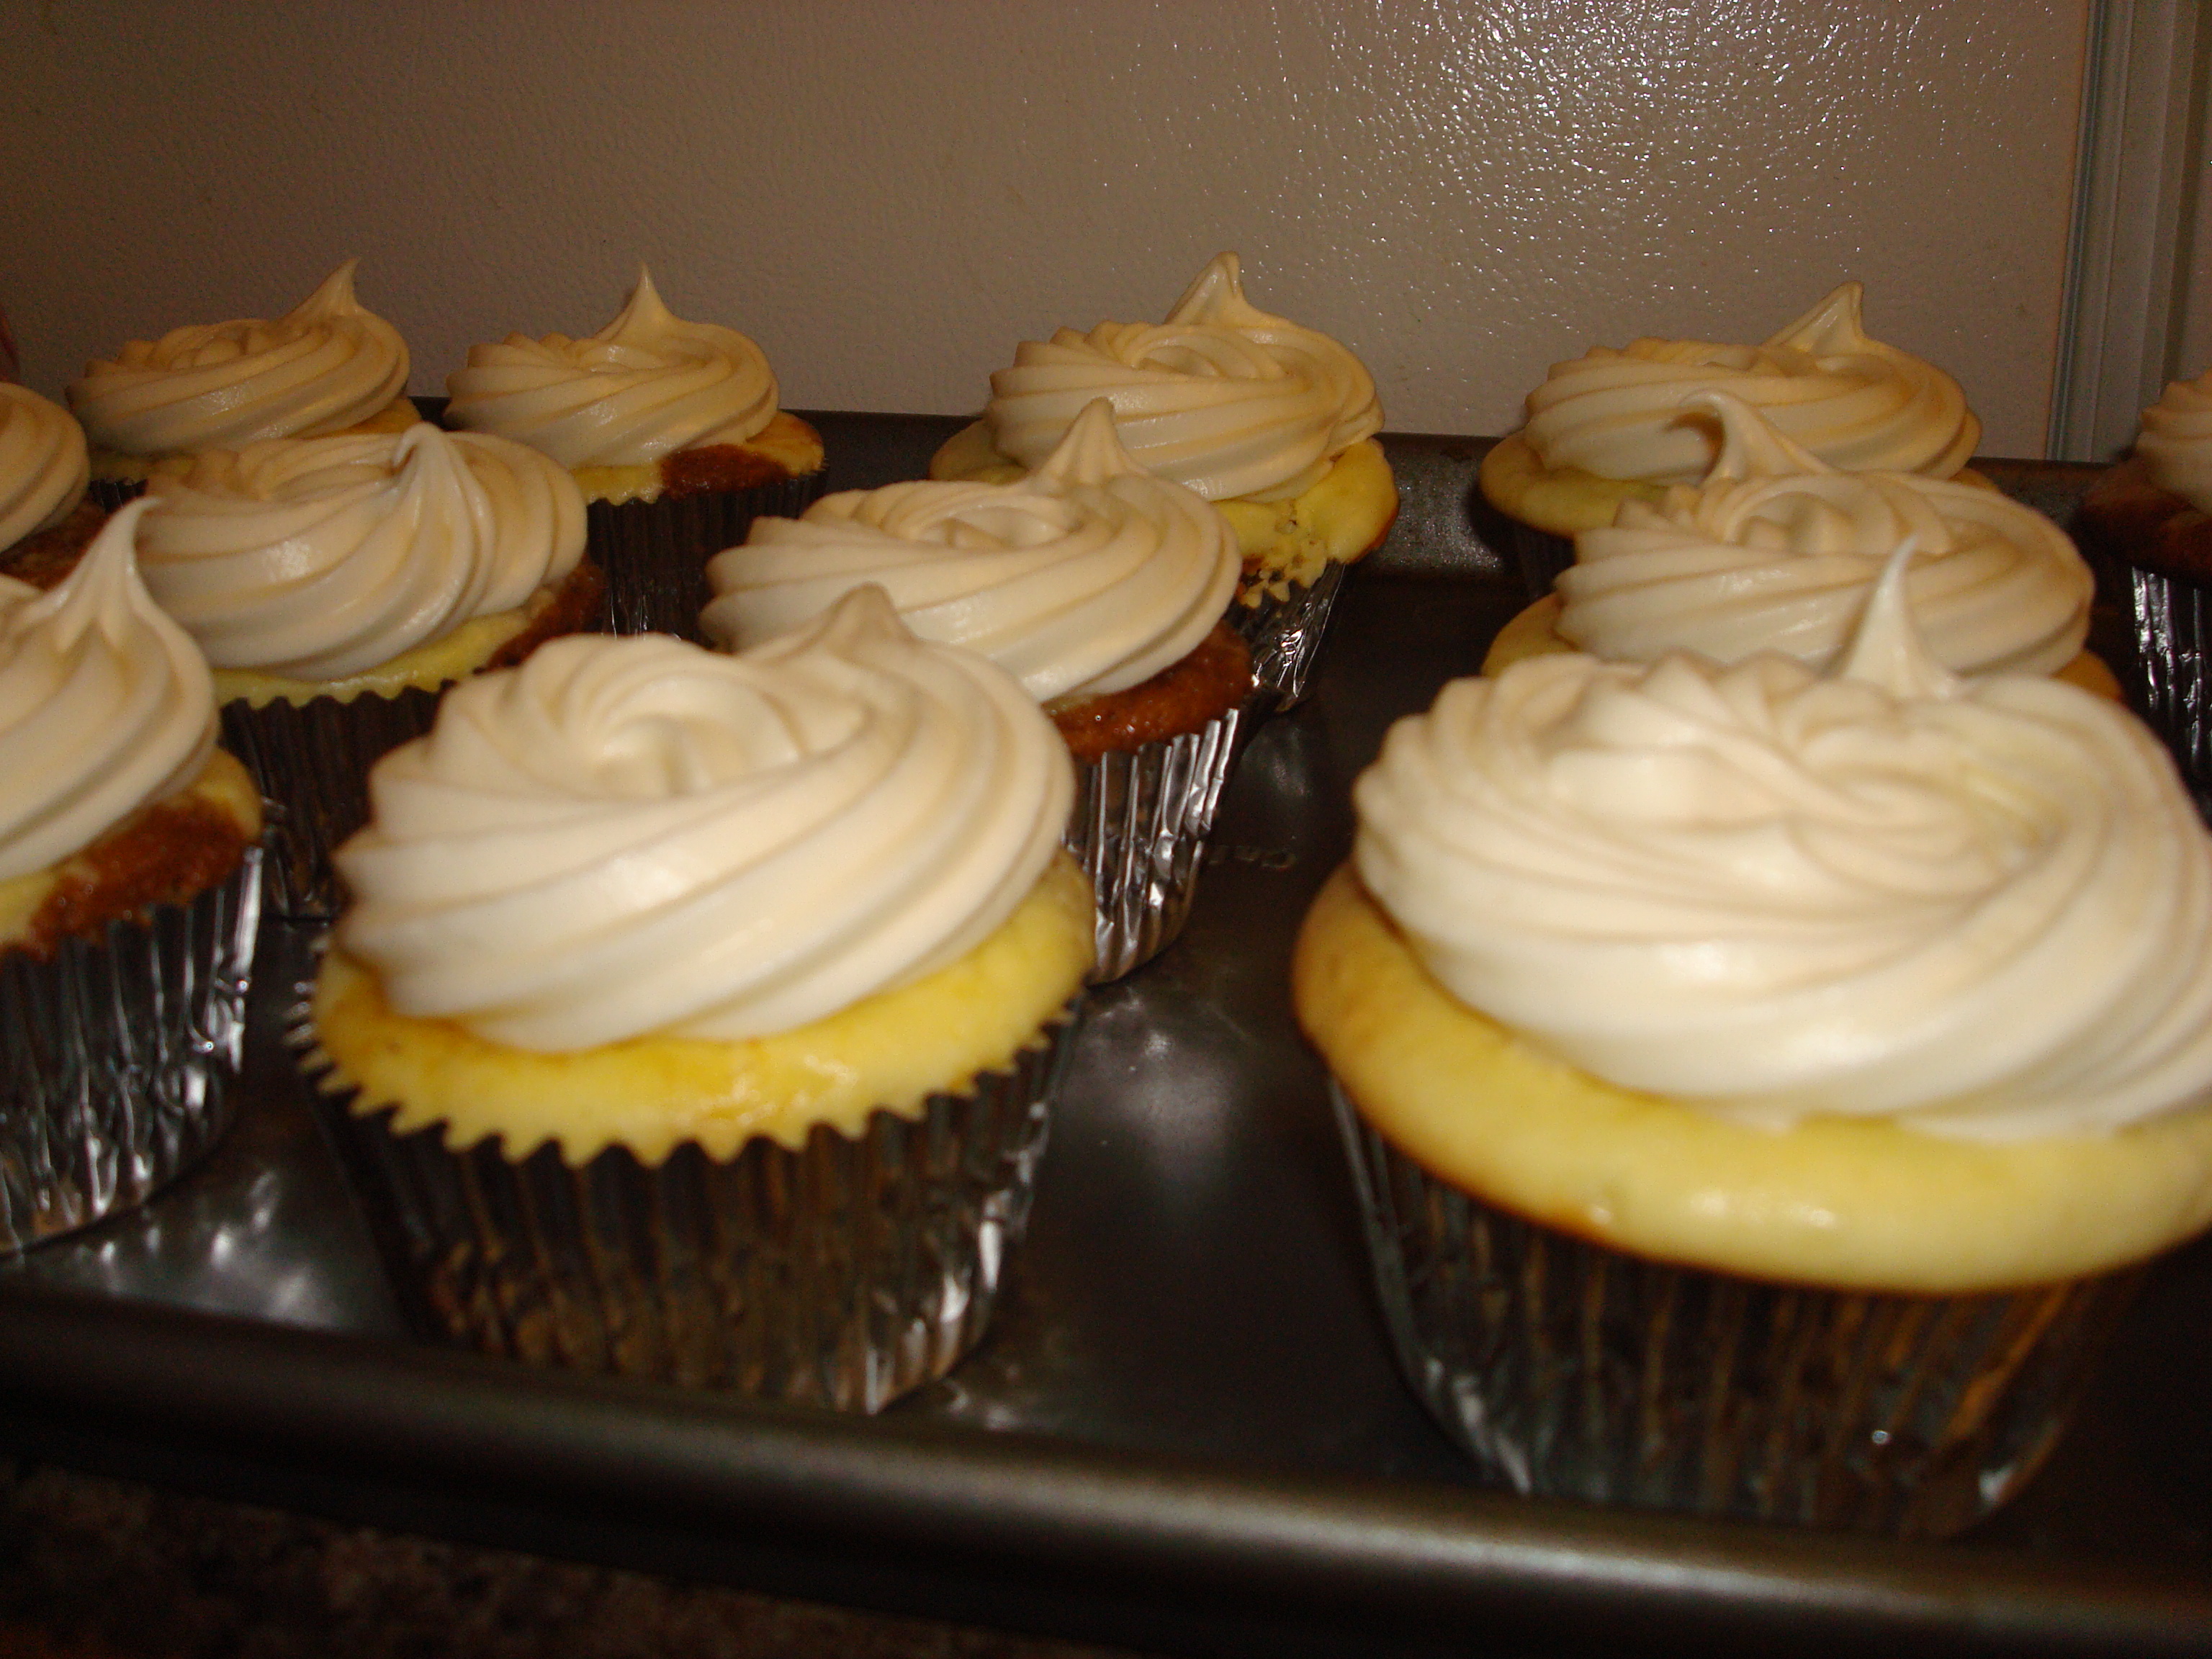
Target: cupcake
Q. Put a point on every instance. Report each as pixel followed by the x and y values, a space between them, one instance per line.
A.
pixel 696 1015
pixel 1762 1086
pixel 129 875
pixel 1102 587
pixel 672 431
pixel 1776 550
pixel 45 521
pixel 1271 423
pixel 336 584
pixel 326 367
pixel 1611 426
pixel 2150 518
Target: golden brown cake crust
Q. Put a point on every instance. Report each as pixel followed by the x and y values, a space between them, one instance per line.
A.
pixel 2127 518
pixel 1181 697
pixel 166 854
pixel 577 605
pixel 44 557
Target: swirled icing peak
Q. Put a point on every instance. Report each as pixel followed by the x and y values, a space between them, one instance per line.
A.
pixel 106 705
pixel 1983 908
pixel 1090 575
pixel 42 465
pixel 325 365
pixel 1778 550
pixel 2176 444
pixel 626 837
pixel 644 386
pixel 319 557
pixel 1222 397
pixel 1852 401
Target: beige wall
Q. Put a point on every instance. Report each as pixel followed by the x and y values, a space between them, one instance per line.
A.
pixel 888 195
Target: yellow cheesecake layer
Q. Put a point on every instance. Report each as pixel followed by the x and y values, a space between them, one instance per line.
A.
pixel 890 1051
pixel 1534 632
pixel 114 466
pixel 1854 1204
pixel 223 784
pixel 786 440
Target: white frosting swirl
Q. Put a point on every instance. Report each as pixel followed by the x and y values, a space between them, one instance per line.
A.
pixel 319 557
pixel 323 366
pixel 636 835
pixel 1857 403
pixel 106 706
pixel 2176 444
pixel 42 465
pixel 1222 397
pixel 644 386
pixel 1777 552
pixel 1983 908
pixel 1090 575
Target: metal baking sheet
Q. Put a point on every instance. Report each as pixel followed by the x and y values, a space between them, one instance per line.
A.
pixel 1185 1432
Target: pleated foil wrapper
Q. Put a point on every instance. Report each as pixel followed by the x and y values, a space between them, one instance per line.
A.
pixel 1541 557
pixel 1569 1370
pixel 118 1059
pixel 2173 653
pixel 1139 829
pixel 312 760
pixel 1285 633
pixel 654 553
pixel 844 1274
pixel 111 492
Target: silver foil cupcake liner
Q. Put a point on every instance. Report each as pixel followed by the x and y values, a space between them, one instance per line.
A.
pixel 844 1274
pixel 1569 1370
pixel 2173 654
pixel 654 553
pixel 1285 633
pixel 118 1059
pixel 1541 557
pixel 1138 830
pixel 111 492
pixel 312 759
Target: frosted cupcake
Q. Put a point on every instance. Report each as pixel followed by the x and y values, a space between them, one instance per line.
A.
pixel 1102 587
pixel 1821 1054
pixel 1776 550
pixel 326 367
pixel 45 521
pixel 128 898
pixel 696 1015
pixel 1610 426
pixel 672 431
pixel 336 584
pixel 1273 423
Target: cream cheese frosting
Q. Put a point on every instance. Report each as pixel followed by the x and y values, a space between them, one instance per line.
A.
pixel 325 365
pixel 647 384
pixel 43 464
pixel 1778 550
pixel 1090 575
pixel 316 558
pixel 2176 444
pixel 1857 403
pixel 632 837
pixel 106 704
pixel 1981 908
pixel 1222 397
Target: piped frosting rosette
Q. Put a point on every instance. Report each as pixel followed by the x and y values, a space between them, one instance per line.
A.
pixel 42 465
pixel 647 384
pixel 1852 401
pixel 2176 444
pixel 631 837
pixel 1088 576
pixel 1983 909
pixel 106 705
pixel 1222 397
pixel 1778 550
pixel 325 365
pixel 318 558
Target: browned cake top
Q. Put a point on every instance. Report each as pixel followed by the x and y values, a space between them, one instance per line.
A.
pixel 166 853
pixel 44 557
pixel 1181 697
pixel 575 609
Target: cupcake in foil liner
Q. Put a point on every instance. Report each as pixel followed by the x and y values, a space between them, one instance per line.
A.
pixel 654 553
pixel 2174 658
pixel 1540 556
pixel 111 492
pixel 844 1274
pixel 118 1059
pixel 312 760
pixel 1139 829
pixel 1285 631
pixel 1570 1369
